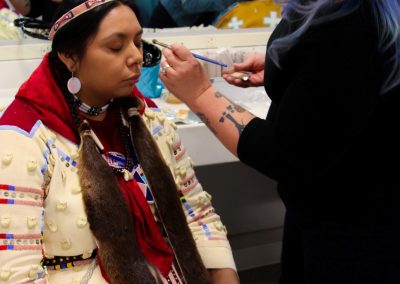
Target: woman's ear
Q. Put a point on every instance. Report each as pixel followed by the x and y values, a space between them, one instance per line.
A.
pixel 69 61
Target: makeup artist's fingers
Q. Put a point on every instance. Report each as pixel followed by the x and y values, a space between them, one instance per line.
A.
pixel 178 53
pixel 235 81
pixel 172 59
pixel 166 67
pixel 181 52
pixel 186 78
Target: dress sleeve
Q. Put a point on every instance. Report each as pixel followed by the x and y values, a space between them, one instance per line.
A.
pixel 330 90
pixel 208 231
pixel 21 207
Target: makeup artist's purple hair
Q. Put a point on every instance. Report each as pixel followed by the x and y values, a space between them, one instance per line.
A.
pixel 314 12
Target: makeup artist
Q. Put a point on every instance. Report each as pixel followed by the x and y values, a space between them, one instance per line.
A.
pixel 332 71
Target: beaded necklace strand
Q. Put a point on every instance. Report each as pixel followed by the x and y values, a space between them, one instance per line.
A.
pixel 126 171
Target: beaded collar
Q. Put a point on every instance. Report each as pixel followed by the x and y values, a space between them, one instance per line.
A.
pixel 91 110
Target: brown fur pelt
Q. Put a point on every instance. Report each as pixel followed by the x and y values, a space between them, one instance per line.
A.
pixel 165 193
pixel 109 217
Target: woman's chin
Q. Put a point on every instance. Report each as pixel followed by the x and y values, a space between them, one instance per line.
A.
pixel 125 92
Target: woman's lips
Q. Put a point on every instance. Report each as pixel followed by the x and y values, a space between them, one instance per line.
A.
pixel 133 79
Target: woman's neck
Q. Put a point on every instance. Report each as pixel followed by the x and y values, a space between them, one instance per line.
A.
pixel 94 109
pixel 91 98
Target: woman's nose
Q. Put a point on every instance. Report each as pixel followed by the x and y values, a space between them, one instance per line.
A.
pixel 135 55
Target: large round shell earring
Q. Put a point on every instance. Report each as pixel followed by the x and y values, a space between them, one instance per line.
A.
pixel 74 84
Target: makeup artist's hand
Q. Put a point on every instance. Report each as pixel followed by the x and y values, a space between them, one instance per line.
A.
pixel 255 64
pixel 185 78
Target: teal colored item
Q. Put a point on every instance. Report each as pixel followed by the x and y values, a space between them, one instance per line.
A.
pixel 149 83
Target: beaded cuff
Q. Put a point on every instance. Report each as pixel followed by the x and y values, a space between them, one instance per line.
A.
pixel 64 262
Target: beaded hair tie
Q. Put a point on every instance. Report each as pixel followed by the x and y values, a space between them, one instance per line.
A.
pixel 75 12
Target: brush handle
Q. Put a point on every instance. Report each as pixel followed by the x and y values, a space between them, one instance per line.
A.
pixel 198 56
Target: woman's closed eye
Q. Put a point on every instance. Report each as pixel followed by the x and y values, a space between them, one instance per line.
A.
pixel 115 46
pixel 115 49
pixel 138 44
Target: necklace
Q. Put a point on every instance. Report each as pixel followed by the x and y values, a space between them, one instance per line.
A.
pixel 91 110
pixel 121 164
pixel 126 140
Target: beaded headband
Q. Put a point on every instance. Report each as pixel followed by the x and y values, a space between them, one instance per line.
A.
pixel 75 12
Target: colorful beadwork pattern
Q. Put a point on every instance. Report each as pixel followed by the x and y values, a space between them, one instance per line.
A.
pixel 20 242
pixel 64 262
pixel 75 12
pixel 188 183
pixel 10 194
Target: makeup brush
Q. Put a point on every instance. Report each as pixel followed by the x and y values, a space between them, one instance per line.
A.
pixel 198 56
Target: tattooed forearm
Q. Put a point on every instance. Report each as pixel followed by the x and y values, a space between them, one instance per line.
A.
pixel 228 115
pixel 238 108
pixel 218 95
pixel 206 121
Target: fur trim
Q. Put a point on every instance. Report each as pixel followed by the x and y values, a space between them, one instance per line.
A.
pixel 168 204
pixel 109 217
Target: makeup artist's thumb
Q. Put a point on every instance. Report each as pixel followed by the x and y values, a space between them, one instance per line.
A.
pixel 243 66
pixel 236 67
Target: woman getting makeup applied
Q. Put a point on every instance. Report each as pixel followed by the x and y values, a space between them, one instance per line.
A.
pixel 95 185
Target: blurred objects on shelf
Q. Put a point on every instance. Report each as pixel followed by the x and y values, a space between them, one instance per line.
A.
pixel 228 56
pixel 7 29
pixel 254 100
pixel 169 98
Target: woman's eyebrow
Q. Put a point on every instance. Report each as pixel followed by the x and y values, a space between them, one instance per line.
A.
pixel 139 33
pixel 122 35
